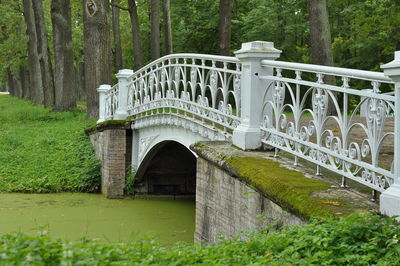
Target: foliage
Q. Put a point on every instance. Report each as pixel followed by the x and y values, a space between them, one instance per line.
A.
pixel 43 151
pixel 356 240
pixel 359 29
pixel 130 181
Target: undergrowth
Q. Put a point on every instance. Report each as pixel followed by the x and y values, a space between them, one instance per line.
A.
pixel 43 151
pixel 361 239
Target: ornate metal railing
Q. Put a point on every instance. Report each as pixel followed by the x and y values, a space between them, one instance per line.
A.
pixel 203 87
pixel 345 130
pixel 111 102
pixel 339 119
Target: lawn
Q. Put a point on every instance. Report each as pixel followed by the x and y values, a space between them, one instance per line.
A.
pixel 43 151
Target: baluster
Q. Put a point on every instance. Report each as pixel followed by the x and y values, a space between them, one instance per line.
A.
pixel 345 85
pixel 374 195
pixel 297 115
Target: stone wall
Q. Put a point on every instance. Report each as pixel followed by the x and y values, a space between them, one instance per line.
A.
pixel 110 147
pixel 227 206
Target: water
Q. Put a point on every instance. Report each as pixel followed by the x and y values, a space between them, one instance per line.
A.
pixel 75 215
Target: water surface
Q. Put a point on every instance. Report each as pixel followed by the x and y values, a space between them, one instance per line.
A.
pixel 75 215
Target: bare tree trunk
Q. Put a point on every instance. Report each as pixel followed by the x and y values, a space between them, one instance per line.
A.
pixel 65 96
pixel 167 27
pixel 10 83
pixel 17 85
pixel 44 54
pixel 320 33
pixel 24 74
pixel 97 51
pixel 320 36
pixel 155 30
pixel 82 91
pixel 117 38
pixel 136 37
pixel 35 75
pixel 224 26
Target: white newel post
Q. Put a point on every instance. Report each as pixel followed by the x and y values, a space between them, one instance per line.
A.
pixel 247 135
pixel 124 78
pixel 102 90
pixel 390 199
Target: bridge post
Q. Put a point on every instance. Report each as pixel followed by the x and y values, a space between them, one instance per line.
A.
pixel 123 77
pixel 247 135
pixel 102 90
pixel 390 199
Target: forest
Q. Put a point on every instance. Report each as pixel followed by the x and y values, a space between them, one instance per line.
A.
pixel 57 52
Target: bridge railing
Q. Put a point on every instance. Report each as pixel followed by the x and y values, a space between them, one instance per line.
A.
pixel 343 120
pixel 318 115
pixel 198 87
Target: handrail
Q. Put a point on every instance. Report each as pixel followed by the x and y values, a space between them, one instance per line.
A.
pixel 228 59
pixel 328 70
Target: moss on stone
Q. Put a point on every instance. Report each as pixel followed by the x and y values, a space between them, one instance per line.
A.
pixel 109 124
pixel 288 188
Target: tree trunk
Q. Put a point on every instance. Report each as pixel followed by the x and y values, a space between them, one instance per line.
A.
pixel 17 85
pixel 117 38
pixel 44 54
pixel 82 91
pixel 24 74
pixel 155 30
pixel 320 33
pixel 97 51
pixel 65 96
pixel 320 37
pixel 167 27
pixel 224 26
pixel 10 83
pixel 136 37
pixel 35 74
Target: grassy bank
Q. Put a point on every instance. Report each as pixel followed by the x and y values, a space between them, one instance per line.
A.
pixel 355 240
pixel 43 151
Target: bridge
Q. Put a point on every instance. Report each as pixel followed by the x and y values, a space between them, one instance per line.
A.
pixel 342 120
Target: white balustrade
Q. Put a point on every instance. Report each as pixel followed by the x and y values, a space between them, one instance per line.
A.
pixel 124 80
pixel 248 134
pixel 390 198
pixel 103 90
pixel 336 118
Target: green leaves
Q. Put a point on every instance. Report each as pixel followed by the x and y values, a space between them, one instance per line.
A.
pixel 360 239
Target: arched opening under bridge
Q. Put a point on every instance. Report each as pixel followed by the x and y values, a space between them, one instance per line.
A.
pixel 169 168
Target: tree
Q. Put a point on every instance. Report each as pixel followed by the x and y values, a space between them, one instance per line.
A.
pixel 224 26
pixel 136 36
pixel 320 38
pixel 155 29
pixel 117 36
pixel 320 34
pixel 97 51
pixel 35 77
pixel 167 27
pixel 44 54
pixel 65 96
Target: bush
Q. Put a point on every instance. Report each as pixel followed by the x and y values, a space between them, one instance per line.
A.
pixel 356 240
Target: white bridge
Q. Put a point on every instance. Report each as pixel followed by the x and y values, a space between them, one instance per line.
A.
pixel 342 120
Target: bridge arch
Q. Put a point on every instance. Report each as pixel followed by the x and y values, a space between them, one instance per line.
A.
pixel 168 168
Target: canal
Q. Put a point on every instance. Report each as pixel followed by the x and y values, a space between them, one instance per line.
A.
pixel 76 215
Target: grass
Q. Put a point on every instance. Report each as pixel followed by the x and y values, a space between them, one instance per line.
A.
pixel 42 151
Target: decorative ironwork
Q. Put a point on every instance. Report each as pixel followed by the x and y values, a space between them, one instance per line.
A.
pixel 323 123
pixel 111 102
pixel 204 87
